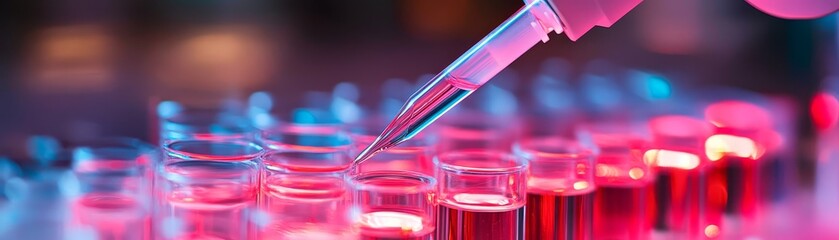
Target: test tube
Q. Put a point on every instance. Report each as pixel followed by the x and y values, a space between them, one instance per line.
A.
pixel 395 205
pixel 622 201
pixel 736 150
pixel 412 155
pixel 207 190
pixel 302 202
pixel 112 200
pixel 560 188
pixel 482 194
pixel 687 205
pixel 305 137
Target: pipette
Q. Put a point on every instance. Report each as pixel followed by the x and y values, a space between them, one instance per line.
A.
pixel 496 51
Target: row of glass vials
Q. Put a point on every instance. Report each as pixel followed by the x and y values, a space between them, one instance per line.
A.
pixel 669 177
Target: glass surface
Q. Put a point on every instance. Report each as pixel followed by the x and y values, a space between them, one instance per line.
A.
pixel 395 205
pixel 481 195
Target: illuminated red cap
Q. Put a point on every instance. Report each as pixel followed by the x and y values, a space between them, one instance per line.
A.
pixel 680 126
pixel 678 141
pixel 825 111
pixel 738 115
pixel 743 129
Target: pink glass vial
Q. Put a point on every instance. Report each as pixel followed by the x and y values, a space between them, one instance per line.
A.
pixel 207 190
pixel 306 195
pixel 482 195
pixel 560 188
pixel 395 205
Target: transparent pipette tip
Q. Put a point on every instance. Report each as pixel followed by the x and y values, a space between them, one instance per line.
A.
pixel 392 135
pixel 375 147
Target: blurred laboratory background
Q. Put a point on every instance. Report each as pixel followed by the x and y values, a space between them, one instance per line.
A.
pixel 79 69
pixel 76 70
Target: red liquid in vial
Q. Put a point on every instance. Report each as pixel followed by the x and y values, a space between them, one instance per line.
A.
pixel 735 190
pixel 552 216
pixel 740 178
pixel 111 216
pixel 621 212
pixel 455 223
pixel 486 222
pixel 482 195
pixel 687 206
pixel 623 201
pixel 385 225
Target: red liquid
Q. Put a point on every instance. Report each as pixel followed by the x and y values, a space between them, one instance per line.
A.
pixel 736 189
pixel 622 212
pixel 559 217
pixel 686 204
pixel 453 223
pixel 739 177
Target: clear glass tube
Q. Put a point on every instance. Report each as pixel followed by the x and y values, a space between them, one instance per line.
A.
pixel 412 155
pixel 205 124
pixel 736 150
pixel 305 137
pixel 301 202
pixel 336 160
pixel 471 131
pixel 206 190
pixel 395 205
pixel 621 173
pixel 560 188
pixel 112 198
pixel 687 206
pixel 481 195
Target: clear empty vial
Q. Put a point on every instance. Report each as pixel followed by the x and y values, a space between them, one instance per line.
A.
pixel 471 131
pixel 305 137
pixel 112 198
pixel 481 195
pixel 306 195
pixel 207 189
pixel 205 124
pixel 412 155
pixel 395 205
pixel 560 188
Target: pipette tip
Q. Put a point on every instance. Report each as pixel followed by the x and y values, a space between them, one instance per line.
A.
pixel 372 149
